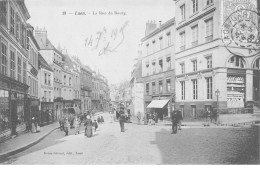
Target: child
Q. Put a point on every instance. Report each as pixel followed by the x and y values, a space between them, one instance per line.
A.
pixel 95 125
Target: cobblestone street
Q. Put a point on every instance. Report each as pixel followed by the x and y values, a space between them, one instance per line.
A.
pixel 142 144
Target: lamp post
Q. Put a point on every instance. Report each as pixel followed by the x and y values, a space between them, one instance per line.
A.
pixel 217 93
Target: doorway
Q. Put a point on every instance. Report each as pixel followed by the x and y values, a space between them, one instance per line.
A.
pixel 193 111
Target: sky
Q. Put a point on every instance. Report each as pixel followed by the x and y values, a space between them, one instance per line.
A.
pixel 106 37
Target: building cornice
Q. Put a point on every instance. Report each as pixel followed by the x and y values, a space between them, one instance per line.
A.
pixel 164 26
pixel 196 18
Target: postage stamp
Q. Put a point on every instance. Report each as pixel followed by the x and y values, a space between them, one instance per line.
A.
pixel 241 30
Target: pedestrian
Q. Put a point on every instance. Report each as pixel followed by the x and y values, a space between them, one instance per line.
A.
pixel 88 127
pixel 95 125
pixel 99 120
pixel 122 119
pixel 174 122
pixel 117 114
pixel 34 125
pixel 76 125
pixel 145 119
pixel 209 114
pixel 61 122
pixel 156 117
pixel 149 117
pixel 153 118
pixel 179 117
pixel 215 115
pixel 66 126
pixel 102 119
pixel 139 118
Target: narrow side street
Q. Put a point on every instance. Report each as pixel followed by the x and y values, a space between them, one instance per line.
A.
pixel 142 144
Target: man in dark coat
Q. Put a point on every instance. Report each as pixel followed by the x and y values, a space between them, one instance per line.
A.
pixel 122 118
pixel 179 118
pixel 174 122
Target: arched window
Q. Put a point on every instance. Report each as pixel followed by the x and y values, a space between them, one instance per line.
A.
pixel 236 62
pixel 257 64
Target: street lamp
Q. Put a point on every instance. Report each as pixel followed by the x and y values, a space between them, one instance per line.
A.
pixel 217 93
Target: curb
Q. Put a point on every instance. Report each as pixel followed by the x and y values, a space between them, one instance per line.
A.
pixel 4 155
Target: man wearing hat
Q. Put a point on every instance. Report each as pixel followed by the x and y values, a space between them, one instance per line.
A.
pixel 174 121
pixel 122 119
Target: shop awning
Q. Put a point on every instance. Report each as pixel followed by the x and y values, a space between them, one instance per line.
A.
pixel 158 103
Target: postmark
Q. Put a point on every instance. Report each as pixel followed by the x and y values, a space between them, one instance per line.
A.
pixel 241 33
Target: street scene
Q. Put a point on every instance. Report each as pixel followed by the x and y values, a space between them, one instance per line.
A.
pixel 129 82
pixel 142 144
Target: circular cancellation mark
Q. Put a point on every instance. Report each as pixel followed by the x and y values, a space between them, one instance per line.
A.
pixel 241 33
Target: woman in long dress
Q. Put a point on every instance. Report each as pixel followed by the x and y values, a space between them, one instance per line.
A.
pixel 88 127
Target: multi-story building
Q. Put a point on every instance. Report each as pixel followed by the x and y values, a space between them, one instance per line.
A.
pixel 54 58
pixel 67 87
pixel 86 88
pixel 13 65
pixel 76 82
pixel 95 94
pixel 210 73
pixel 137 90
pixel 32 73
pixel 158 67
pixel 45 89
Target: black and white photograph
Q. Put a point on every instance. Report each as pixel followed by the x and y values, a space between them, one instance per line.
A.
pixel 129 82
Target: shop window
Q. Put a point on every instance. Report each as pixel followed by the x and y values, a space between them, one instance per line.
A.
pixel 4 110
pixel 236 62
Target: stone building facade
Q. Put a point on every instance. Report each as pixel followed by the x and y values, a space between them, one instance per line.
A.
pixel 158 65
pixel 208 73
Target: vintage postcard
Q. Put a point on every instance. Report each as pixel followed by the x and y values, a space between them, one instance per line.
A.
pixel 129 82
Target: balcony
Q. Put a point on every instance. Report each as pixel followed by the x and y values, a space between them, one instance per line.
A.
pixel 209 38
pixel 182 48
pixel 195 43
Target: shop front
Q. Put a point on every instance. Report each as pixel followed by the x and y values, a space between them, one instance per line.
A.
pixel 161 107
pixel 47 112
pixel 236 88
pixel 13 109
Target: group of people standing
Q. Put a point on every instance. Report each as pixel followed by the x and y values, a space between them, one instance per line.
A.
pixel 65 125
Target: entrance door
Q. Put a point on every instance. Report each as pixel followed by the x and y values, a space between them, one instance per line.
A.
pixel 193 110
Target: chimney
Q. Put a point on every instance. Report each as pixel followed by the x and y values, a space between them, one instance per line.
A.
pixel 41 36
pixel 150 26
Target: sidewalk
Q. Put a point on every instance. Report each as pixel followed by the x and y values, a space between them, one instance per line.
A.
pixel 24 141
